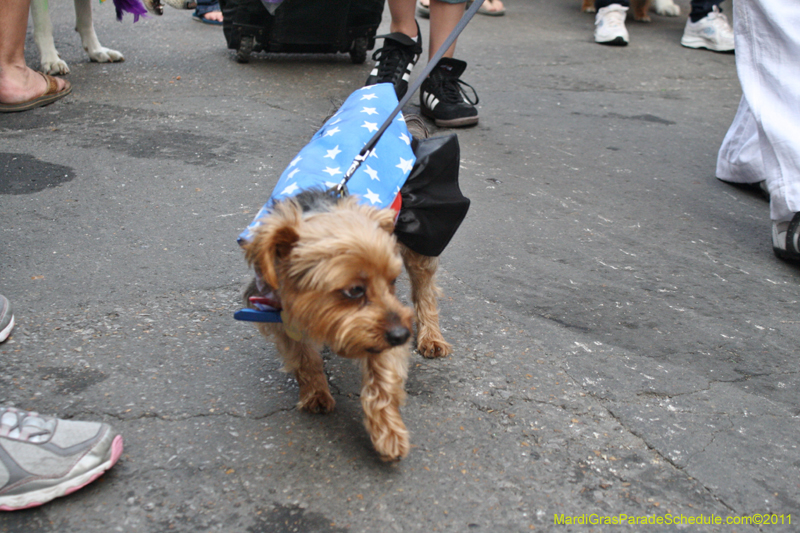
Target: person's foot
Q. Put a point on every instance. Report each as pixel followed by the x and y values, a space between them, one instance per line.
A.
pixel 209 17
pixel 786 239
pixel 395 59
pixel 712 32
pixel 424 8
pixel 493 8
pixel 6 318
pixel 610 26
pixel 24 88
pixel 42 458
pixel 442 97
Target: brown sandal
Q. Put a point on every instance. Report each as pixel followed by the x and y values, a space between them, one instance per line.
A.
pixel 50 95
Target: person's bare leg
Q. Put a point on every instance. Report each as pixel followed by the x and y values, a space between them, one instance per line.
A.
pixel 403 20
pixel 18 83
pixel 444 18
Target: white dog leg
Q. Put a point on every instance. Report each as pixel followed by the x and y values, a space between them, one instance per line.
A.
pixel 667 8
pixel 43 37
pixel 84 26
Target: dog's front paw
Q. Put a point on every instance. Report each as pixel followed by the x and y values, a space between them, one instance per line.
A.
pixel 432 345
pixel 667 8
pixel 105 55
pixel 319 401
pixel 55 66
pixel 392 444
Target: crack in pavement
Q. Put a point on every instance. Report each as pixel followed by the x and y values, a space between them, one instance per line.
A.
pixel 666 458
pixel 179 418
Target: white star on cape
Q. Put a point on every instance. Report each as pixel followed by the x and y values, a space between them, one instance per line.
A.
pixel 372 173
pixel 372 197
pixel 371 126
pixel 332 132
pixel 373 153
pixel 290 189
pixel 333 152
pixel 405 165
pixel 332 171
pixel 295 161
pixel 369 96
pixel 292 173
pixel 369 111
pixel 405 139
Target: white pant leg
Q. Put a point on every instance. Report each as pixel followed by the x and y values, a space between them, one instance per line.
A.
pixel 768 63
pixel 739 159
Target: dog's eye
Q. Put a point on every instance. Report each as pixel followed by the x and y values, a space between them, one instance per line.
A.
pixel 355 292
pixel 393 282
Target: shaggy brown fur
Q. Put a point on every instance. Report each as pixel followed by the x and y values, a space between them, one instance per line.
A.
pixel 333 269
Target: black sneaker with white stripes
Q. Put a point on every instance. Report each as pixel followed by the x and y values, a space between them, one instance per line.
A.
pixel 443 99
pixel 395 60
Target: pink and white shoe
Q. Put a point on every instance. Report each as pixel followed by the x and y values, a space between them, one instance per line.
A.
pixel 42 457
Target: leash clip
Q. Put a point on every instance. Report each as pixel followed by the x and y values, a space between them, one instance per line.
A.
pixel 340 190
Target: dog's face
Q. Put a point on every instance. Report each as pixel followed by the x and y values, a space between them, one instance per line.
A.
pixel 334 271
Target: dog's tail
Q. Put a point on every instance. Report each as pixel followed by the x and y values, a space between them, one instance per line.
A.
pixel 417 128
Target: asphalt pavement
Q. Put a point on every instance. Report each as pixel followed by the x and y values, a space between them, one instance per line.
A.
pixel 625 341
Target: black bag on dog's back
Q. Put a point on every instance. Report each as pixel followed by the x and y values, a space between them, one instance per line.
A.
pixel 433 206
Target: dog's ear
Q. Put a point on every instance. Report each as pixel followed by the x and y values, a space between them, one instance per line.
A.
pixel 273 241
pixel 385 219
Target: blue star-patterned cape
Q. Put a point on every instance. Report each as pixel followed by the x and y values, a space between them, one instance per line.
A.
pixel 323 162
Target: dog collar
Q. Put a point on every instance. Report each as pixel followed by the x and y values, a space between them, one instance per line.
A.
pixel 263 307
pixel 268 309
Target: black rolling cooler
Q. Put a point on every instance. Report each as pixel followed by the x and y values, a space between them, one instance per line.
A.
pixel 302 27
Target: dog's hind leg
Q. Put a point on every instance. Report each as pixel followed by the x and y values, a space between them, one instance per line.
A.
pixel 49 60
pixel 382 395
pixel 424 292
pixel 85 27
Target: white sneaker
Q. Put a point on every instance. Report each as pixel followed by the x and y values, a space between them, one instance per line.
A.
pixel 610 25
pixel 712 32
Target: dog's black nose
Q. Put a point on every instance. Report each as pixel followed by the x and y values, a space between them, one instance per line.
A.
pixel 397 335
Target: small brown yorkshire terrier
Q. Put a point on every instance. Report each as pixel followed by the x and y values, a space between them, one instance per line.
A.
pixel 331 265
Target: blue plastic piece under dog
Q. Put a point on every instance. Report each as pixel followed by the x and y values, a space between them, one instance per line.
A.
pixel 252 315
